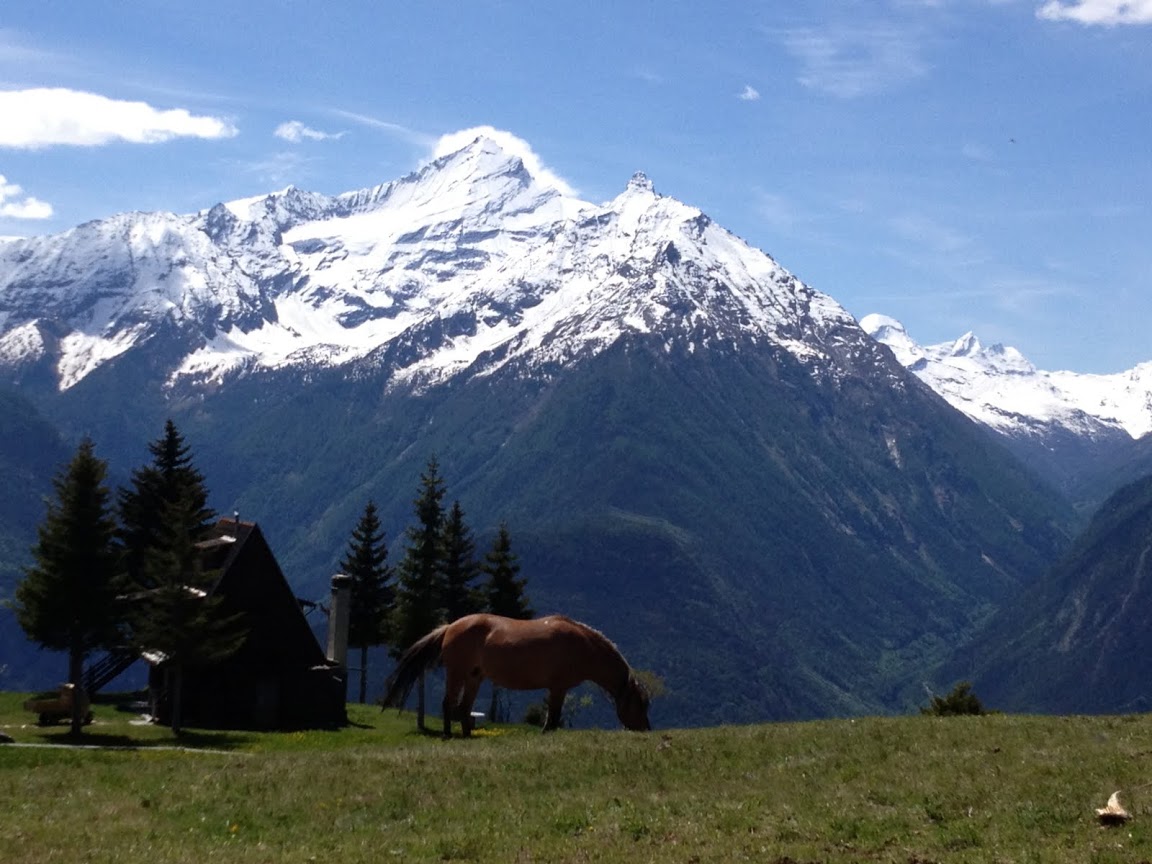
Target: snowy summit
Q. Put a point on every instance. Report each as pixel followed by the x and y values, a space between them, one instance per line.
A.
pixel 478 258
pixel 998 386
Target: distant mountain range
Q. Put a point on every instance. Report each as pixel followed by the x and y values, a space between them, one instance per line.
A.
pixel 694 450
pixel 1085 433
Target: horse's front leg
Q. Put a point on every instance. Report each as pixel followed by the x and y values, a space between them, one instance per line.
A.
pixel 555 709
pixel 446 710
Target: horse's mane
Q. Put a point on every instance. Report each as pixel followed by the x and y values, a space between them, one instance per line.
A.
pixel 588 628
pixel 631 680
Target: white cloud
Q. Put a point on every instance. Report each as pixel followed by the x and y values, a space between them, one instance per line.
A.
pixel 1107 12
pixel 856 61
pixel 395 129
pixel 508 142
pixel 295 132
pixel 16 205
pixel 749 93
pixel 44 117
pixel 279 169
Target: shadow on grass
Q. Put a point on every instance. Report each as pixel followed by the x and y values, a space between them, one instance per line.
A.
pixel 190 739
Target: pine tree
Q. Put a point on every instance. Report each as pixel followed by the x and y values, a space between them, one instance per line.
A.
pixel 418 584
pixel 372 593
pixel 503 590
pixel 156 489
pixel 178 615
pixel 67 600
pixel 460 569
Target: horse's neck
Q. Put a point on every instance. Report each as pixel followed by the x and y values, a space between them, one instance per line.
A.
pixel 610 670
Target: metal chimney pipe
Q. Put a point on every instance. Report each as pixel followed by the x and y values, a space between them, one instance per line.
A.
pixel 338 615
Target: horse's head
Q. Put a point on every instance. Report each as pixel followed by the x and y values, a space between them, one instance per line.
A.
pixel 632 705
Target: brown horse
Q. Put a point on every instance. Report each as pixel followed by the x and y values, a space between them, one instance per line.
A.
pixel 553 653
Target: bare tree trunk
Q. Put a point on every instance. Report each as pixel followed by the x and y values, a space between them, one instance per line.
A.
pixel 363 674
pixel 76 679
pixel 176 689
pixel 420 705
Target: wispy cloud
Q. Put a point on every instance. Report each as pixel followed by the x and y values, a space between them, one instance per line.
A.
pixel 930 235
pixel 975 152
pixel 855 61
pixel 14 50
pixel 1021 293
pixel 420 139
pixel 1102 12
pixel 749 93
pixel 777 211
pixel 280 168
pixel 294 131
pixel 46 117
pixel 16 205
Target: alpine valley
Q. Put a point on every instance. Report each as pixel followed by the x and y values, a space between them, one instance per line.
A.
pixel 694 451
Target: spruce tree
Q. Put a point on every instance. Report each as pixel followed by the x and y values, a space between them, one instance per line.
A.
pixel 418 583
pixel 67 599
pixel 171 480
pixel 503 590
pixel 460 568
pixel 178 616
pixel 372 593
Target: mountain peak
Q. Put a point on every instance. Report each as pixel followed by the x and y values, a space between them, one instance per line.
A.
pixel 967 345
pixel 640 183
pixel 891 332
pixel 998 386
pixel 490 147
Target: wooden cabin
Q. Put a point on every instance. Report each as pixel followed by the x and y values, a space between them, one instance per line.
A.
pixel 280 677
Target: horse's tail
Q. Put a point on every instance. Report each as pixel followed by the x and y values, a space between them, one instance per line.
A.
pixel 422 655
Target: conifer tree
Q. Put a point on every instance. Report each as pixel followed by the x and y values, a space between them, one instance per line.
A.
pixel 460 567
pixel 372 593
pixel 419 579
pixel 171 480
pixel 67 599
pixel 503 590
pixel 178 615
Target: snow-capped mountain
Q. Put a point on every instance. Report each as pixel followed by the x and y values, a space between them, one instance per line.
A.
pixel 999 387
pixel 471 258
pixel 694 447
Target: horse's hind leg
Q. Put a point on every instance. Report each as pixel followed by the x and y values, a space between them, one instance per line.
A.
pixel 555 709
pixel 468 700
pixel 452 687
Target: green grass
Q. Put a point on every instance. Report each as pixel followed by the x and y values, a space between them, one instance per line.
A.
pixel 912 789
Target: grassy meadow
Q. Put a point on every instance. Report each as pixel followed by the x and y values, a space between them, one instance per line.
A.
pixel 907 789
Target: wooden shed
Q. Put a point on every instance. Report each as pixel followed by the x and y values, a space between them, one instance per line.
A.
pixel 280 677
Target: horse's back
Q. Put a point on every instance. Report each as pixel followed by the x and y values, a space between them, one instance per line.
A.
pixel 518 654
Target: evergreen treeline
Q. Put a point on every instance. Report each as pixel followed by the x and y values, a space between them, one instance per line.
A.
pixel 128 576
pixel 439 579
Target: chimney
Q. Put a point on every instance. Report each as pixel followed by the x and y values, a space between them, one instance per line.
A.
pixel 338 613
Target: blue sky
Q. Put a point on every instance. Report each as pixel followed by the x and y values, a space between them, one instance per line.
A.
pixel 960 165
